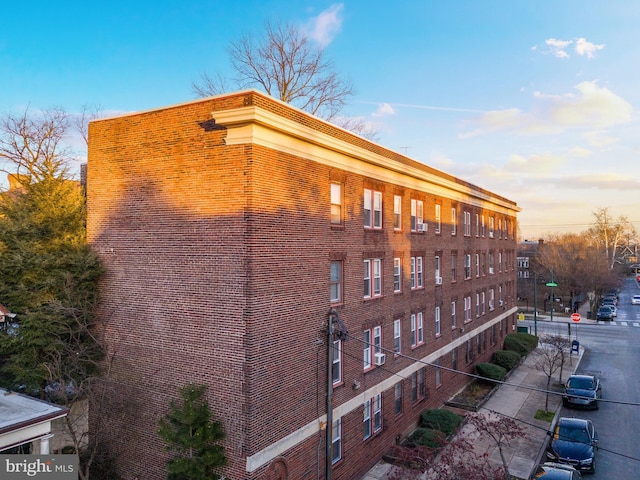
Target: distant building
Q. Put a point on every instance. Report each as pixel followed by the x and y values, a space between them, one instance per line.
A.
pixel 234 228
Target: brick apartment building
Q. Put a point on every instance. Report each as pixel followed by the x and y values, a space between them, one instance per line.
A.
pixel 232 226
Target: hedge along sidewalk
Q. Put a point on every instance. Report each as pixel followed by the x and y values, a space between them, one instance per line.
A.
pixel 520 397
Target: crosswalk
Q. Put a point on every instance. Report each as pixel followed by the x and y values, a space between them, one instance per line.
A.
pixel 620 323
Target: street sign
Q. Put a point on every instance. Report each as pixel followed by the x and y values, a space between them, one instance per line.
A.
pixel 552 284
pixel 575 317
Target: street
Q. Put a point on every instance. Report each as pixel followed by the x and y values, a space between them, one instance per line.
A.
pixel 611 351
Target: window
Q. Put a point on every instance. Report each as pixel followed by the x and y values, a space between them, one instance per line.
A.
pixel 336 441
pixel 438 218
pixel 366 340
pixel 492 298
pixel 453 221
pixel 335 282
pixel 372 410
pixel 438 374
pixel 438 275
pixel 499 261
pixel 477 224
pixel 467 266
pixel 372 278
pixel 437 319
pixel 397 212
pixel 398 398
pixel 492 222
pixel 337 362
pixel 377 340
pixel 454 359
pixel 467 224
pixel 482 227
pixel 336 203
pixel 396 336
pixel 372 209
pixel 417 208
pixel 417 385
pixel 491 269
pixel 477 264
pixel 397 275
pixel 467 309
pixel 416 273
pixel 477 304
pixel 453 314
pixel 483 302
pixel 417 329
pixel 454 260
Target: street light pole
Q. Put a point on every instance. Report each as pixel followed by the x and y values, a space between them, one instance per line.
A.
pixel 535 304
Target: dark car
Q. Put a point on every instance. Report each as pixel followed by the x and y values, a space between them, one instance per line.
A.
pixel 582 390
pixel 604 313
pixel 574 443
pixel 556 471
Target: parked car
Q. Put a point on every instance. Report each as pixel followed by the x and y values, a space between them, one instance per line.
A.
pixel 635 300
pixel 582 390
pixel 609 297
pixel 556 471
pixel 574 443
pixel 604 313
pixel 614 310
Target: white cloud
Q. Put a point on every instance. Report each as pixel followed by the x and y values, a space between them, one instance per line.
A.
pixel 587 48
pixel 558 47
pixel 326 25
pixel 384 109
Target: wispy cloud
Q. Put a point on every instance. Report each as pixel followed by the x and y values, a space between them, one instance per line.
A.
pixel 324 27
pixel 394 106
pixel 591 107
pixel 559 48
pixel 383 110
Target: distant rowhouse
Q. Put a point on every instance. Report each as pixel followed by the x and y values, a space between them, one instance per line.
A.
pixel 234 228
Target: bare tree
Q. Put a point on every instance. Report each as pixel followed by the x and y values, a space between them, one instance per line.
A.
pixel 286 65
pixel 562 344
pixel 33 144
pixel 610 232
pixel 549 362
pixel 81 121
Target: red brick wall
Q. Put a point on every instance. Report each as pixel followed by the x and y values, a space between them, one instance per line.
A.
pixel 217 272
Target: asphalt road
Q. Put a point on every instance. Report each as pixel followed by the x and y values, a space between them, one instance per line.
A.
pixel 612 351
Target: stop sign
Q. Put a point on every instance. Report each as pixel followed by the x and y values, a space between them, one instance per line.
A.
pixel 575 317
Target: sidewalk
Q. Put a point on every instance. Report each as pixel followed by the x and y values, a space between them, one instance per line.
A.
pixel 514 400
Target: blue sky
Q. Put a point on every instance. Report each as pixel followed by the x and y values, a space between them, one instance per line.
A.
pixel 534 100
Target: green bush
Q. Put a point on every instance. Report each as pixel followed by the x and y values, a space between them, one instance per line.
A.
pixel 491 371
pixel 428 437
pixel 440 419
pixel 520 342
pixel 506 358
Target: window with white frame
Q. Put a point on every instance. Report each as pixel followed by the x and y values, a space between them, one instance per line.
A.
pixel 477 304
pixel 372 209
pixel 397 275
pixel 492 222
pixel 477 264
pixel 467 266
pixel 483 302
pixel 335 282
pixel 438 272
pixel 500 298
pixel 417 211
pixel 467 309
pixel 367 349
pixel 377 340
pixel 417 329
pixel 491 263
pixel 419 277
pixel 453 314
pixel 420 328
pixel 398 398
pixel 336 203
pixel 500 228
pixel 438 373
pixel 454 220
pixel 437 320
pixel 477 224
pixel 492 299
pixel 372 416
pixel 366 422
pixel 397 341
pixel 454 261
pixel 397 212
pixel 336 367
pixel 499 261
pixel 372 278
pixel 482 226
pixel 417 385
pixel 377 413
pixel 336 441
pixel 467 224
pixel 438 218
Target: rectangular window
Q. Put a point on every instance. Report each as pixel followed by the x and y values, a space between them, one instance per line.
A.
pixel 372 416
pixel 483 301
pixel 420 328
pixel 414 330
pixel 454 359
pixel 414 387
pixel 377 413
pixel 397 274
pixel 377 340
pixel 336 441
pixel 492 221
pixel 477 264
pixel 396 336
pixel 499 261
pixel 491 264
pixel 467 224
pixel 413 273
pixel 372 209
pixel 336 203
pixel 454 220
pixel 467 309
pixel 467 266
pixel 397 212
pixel 419 279
pixel 477 304
pixel 398 398
pixel 417 209
pixel 438 218
pixel 492 299
pixel 453 314
pixel 438 374
pixel 437 319
pixel 438 273
pixel 372 278
pixel 454 260
pixel 482 227
pixel 477 225
pixel 421 384
pixel 337 362
pixel 366 410
pixel 335 282
pixel 366 353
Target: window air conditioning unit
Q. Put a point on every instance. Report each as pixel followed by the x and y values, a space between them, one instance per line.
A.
pixel 422 227
pixel 379 358
pixel 500 302
pixel 438 280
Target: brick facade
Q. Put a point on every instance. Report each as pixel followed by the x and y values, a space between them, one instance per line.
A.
pixel 213 220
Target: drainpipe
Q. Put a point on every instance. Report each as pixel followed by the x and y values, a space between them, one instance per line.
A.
pixel 329 426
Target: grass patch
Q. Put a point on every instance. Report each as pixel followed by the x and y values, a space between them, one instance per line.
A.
pixel 542 415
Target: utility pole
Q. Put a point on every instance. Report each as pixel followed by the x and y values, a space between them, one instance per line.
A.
pixel 329 426
pixel 535 304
